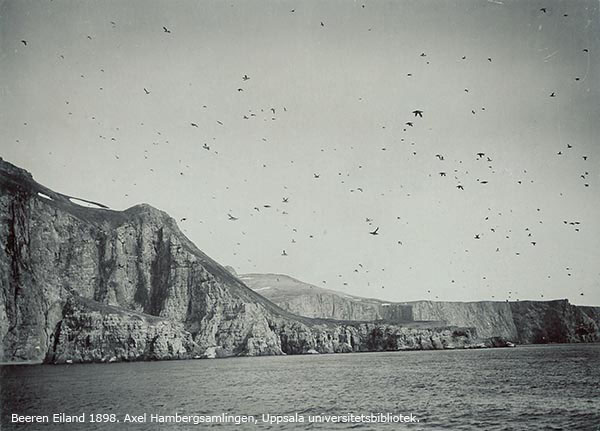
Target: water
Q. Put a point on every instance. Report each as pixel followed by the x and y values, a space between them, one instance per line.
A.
pixel 528 387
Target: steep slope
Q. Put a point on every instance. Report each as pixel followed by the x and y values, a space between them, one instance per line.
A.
pixel 523 322
pixel 81 282
pixel 307 300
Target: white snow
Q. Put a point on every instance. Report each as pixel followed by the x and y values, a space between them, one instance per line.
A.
pixel 44 196
pixel 85 204
pixel 262 288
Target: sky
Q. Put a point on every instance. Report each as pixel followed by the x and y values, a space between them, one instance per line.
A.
pixel 281 135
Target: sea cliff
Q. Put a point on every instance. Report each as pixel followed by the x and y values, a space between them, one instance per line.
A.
pixel 89 284
pixel 523 322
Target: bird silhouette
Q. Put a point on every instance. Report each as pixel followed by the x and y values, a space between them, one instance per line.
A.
pixel 418 113
pixel 283 253
pixel 24 42
pixel 477 236
pixel 316 175
pixel 375 232
pixel 408 123
pixel 285 200
pixel 193 124
pixel 544 10
pixel 146 91
pixel 459 187
pixel 480 155
pixel 232 218
pixel 245 77
pixel 553 94
pixel 442 174
pixel 166 30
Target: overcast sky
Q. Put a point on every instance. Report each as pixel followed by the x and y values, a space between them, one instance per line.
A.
pixel 124 102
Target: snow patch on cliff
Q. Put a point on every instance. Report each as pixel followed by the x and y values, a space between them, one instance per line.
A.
pixel 85 204
pixel 40 194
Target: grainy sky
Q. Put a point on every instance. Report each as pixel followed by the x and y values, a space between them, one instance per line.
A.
pixel 126 101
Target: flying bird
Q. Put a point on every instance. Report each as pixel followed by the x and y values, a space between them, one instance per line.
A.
pixel 194 125
pixel 553 94
pixel 375 232
pixel 245 77
pixel 166 30
pixel 232 218
pixel 24 42
pixel 459 187
pixel 418 113
pixel 146 91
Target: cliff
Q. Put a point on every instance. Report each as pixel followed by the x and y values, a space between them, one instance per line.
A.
pixel 307 300
pixel 81 282
pixel 524 322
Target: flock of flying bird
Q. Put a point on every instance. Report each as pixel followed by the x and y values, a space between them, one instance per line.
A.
pixel 418 115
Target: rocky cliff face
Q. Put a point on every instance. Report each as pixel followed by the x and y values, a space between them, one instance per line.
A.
pixel 523 322
pixel 92 284
pixel 311 301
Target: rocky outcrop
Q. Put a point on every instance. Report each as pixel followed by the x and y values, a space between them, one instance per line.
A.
pixel 92 284
pixel 555 322
pixel 93 332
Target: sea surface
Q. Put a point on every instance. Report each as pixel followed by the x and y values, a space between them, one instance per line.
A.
pixel 548 387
